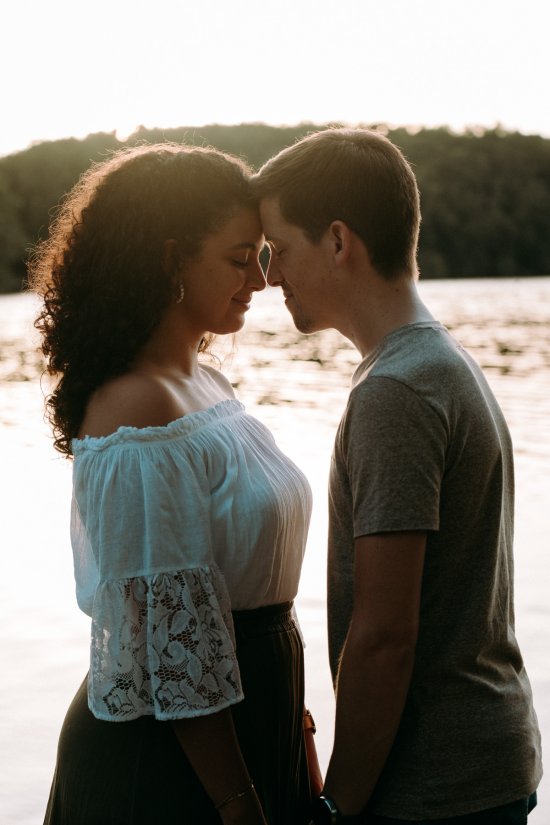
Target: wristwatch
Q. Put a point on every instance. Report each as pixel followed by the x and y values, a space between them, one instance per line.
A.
pixel 325 812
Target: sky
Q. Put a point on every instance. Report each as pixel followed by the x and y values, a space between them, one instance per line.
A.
pixel 72 67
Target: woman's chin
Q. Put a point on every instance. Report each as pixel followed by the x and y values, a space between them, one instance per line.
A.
pixel 228 326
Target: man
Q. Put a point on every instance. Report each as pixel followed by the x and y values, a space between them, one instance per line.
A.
pixel 434 715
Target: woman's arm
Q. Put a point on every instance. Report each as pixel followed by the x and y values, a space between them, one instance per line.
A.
pixel 210 743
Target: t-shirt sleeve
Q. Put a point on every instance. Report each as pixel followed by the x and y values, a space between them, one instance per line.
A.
pixel 394 448
pixel 162 633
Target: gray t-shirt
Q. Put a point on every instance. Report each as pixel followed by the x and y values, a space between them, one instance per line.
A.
pixel 423 445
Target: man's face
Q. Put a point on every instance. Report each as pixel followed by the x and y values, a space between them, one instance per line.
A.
pixel 298 266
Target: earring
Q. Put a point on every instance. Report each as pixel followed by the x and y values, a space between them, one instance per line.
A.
pixel 181 293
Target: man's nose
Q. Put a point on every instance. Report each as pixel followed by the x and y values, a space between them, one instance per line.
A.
pixel 273 276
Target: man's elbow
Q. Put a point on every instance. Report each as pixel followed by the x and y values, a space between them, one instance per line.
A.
pixel 390 644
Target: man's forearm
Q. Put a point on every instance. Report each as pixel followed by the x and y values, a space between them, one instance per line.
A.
pixel 373 681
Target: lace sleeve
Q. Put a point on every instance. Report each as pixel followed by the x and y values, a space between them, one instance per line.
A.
pixel 163 645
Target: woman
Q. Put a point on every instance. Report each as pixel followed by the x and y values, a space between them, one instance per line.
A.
pixel 188 524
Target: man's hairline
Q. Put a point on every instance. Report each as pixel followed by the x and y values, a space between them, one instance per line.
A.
pixel 275 200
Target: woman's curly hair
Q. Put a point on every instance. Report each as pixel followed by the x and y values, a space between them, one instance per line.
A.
pixel 100 272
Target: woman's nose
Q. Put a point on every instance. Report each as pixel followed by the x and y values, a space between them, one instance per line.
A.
pixel 256 278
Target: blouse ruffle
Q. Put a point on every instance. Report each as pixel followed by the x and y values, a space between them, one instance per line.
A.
pixel 185 425
pixel 163 645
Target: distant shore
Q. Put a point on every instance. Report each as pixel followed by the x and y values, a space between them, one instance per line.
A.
pixel 485 193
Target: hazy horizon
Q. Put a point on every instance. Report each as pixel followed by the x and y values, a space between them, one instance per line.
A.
pixel 70 71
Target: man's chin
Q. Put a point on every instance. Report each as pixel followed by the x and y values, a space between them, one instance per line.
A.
pixel 304 325
pixel 301 322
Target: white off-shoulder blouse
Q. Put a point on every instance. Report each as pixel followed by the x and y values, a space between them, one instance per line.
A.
pixel 172 528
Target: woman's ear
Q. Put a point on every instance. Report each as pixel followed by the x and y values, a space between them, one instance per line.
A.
pixel 171 259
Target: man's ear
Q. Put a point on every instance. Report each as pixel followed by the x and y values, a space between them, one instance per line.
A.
pixel 171 259
pixel 340 239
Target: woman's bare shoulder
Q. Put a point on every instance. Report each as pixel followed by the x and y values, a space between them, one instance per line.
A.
pixel 130 400
pixel 219 378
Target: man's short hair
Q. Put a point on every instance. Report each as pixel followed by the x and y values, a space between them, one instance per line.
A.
pixel 357 176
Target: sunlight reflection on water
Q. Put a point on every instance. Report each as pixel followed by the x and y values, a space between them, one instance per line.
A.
pixel 298 386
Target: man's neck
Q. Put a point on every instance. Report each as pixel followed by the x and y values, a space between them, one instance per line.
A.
pixel 377 307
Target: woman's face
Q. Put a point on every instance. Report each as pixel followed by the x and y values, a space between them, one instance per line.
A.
pixel 220 282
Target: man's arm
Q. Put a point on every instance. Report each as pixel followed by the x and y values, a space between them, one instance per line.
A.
pixel 376 664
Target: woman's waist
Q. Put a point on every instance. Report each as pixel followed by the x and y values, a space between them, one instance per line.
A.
pixel 259 621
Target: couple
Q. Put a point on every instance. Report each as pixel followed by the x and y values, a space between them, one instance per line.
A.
pixel 189 525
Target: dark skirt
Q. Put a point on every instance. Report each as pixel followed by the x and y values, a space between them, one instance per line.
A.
pixel 136 773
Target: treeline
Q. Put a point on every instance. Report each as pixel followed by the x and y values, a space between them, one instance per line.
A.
pixel 485 194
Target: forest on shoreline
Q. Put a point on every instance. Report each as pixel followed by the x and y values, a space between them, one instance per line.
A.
pixel 485 193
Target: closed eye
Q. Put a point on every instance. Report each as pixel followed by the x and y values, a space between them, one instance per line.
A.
pixel 274 251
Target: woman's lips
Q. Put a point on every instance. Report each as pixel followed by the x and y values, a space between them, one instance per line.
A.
pixel 244 302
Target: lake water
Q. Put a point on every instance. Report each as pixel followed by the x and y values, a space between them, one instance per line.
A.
pixel 298 386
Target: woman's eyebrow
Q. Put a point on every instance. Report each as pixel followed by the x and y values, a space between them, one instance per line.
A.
pixel 244 245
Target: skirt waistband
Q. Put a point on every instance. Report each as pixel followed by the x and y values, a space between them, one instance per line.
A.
pixel 260 620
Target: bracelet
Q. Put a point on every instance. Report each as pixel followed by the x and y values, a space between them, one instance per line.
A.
pixel 233 796
pixel 309 723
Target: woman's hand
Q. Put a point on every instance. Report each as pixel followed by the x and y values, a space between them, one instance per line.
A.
pixel 244 810
pixel 315 776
